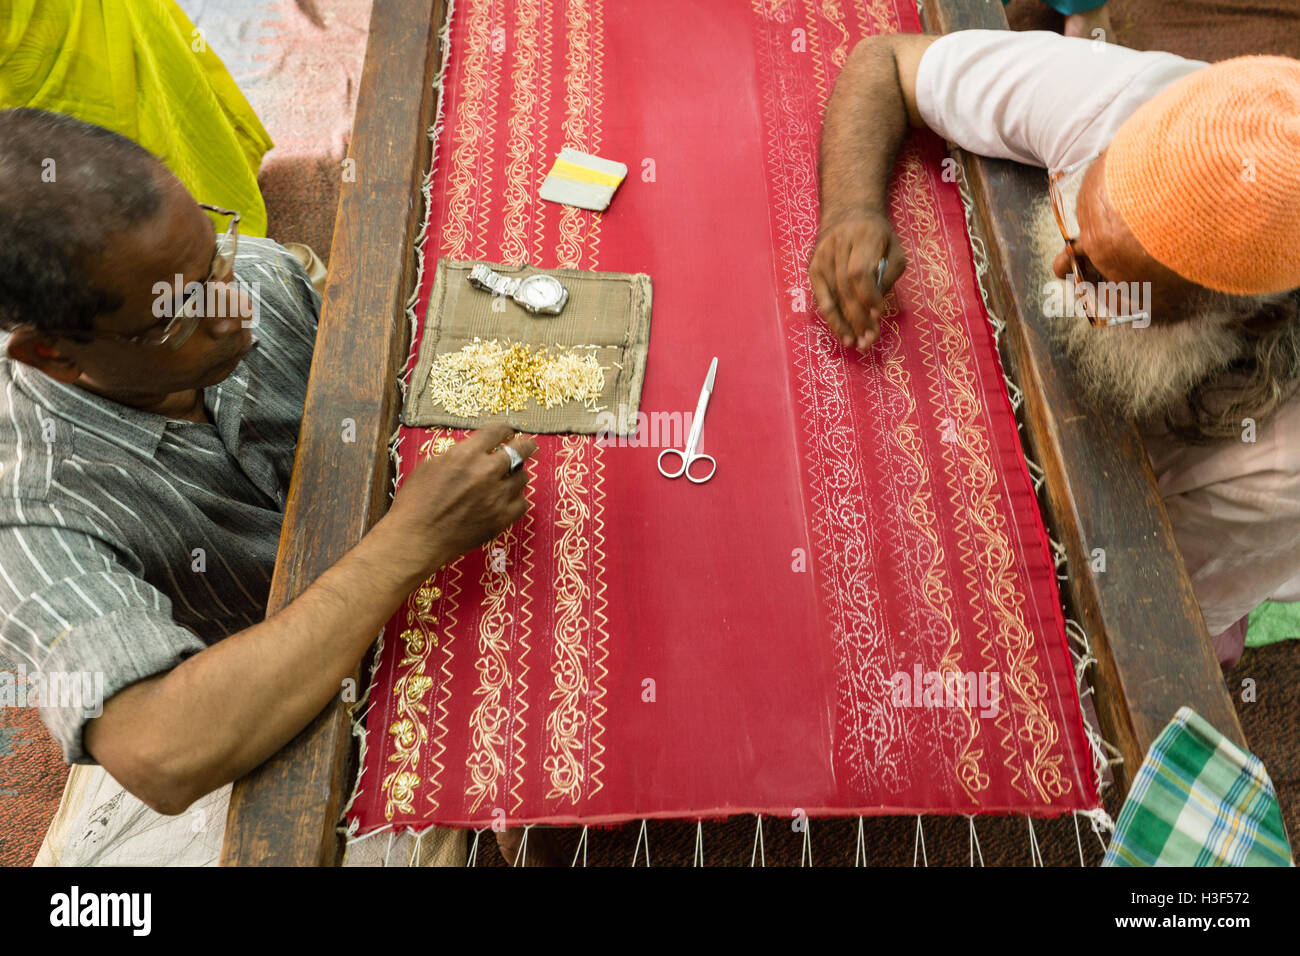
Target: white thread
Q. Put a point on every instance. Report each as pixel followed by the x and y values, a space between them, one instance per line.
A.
pixel 472 859
pixel 1015 394
pixel 351 832
pixel 521 858
pixel 919 846
pixel 760 852
pixel 1100 820
pixel 860 853
pixel 1036 474
pixel 807 844
pixel 642 835
pixel 582 848
pixel 974 842
pixel 699 843
pixel 1035 854
pixel 1078 839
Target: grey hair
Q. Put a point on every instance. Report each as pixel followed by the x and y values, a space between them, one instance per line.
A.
pixel 66 187
pixel 1264 377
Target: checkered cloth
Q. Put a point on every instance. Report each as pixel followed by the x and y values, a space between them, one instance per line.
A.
pixel 1199 800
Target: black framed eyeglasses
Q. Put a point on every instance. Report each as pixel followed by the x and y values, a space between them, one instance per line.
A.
pixel 175 330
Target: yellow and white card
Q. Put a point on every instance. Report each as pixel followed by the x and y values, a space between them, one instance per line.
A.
pixel 582 180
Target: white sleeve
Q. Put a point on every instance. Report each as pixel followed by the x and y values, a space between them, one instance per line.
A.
pixel 1034 96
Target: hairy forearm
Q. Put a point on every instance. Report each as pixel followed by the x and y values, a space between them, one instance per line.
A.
pixel 865 123
pixel 225 710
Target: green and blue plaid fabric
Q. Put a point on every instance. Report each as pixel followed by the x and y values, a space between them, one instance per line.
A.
pixel 1199 800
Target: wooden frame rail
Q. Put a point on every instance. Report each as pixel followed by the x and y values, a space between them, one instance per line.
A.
pixel 1153 651
pixel 287 811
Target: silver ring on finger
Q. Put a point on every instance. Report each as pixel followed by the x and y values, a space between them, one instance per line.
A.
pixel 515 458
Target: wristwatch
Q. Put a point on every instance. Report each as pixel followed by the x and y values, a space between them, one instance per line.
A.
pixel 536 293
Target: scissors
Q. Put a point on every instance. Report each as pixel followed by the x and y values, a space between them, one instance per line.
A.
pixel 688 455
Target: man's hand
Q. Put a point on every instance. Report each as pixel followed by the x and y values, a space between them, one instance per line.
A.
pixel 218 714
pixel 870 110
pixel 843 273
pixel 464 497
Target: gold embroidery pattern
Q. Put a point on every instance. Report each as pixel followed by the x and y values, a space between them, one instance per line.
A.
pixel 926 546
pixel 467 177
pixel 578 108
pixel 921 544
pixel 819 71
pixel 832 11
pixel 599 619
pixel 919 548
pixel 876 17
pixel 451 603
pixel 597 110
pixel 543 126
pixel 975 495
pixel 408 729
pixel 525 630
pixel 437 442
pixel 487 762
pixel 864 743
pixel 566 723
pixel 518 193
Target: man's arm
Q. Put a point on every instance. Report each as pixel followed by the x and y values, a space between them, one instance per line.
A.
pixel 873 103
pixel 171 739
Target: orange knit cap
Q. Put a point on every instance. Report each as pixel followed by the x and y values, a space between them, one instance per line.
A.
pixel 1206 174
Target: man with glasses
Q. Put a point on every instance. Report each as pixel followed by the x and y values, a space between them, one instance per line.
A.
pixel 1175 201
pixel 150 399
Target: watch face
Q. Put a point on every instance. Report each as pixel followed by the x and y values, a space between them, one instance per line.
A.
pixel 541 292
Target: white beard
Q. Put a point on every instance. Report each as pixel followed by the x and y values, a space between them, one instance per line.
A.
pixel 1147 373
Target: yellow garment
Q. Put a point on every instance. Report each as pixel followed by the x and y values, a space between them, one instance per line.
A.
pixel 140 68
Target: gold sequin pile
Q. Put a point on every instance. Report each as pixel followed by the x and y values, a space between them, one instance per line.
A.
pixel 487 378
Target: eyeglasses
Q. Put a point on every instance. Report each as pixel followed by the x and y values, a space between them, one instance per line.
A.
pixel 175 331
pixel 1085 292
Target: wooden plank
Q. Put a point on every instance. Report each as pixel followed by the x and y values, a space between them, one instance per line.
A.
pixel 1141 613
pixel 286 812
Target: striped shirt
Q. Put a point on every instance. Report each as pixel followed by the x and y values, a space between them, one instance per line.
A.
pixel 130 541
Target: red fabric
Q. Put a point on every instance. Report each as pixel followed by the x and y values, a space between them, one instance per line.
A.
pixel 869 516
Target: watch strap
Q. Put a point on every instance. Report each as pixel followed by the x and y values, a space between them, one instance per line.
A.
pixel 481 277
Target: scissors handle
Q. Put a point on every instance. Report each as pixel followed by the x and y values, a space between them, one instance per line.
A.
pixel 672 474
pixel 687 463
pixel 713 466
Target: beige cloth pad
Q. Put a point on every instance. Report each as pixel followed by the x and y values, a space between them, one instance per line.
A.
pixel 607 309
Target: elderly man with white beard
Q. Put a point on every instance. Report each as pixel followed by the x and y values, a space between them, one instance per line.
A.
pixel 1176 192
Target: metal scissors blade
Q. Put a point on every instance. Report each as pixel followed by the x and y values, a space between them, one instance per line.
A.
pixel 689 455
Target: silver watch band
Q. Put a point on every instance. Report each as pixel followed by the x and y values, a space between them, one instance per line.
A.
pixel 489 281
